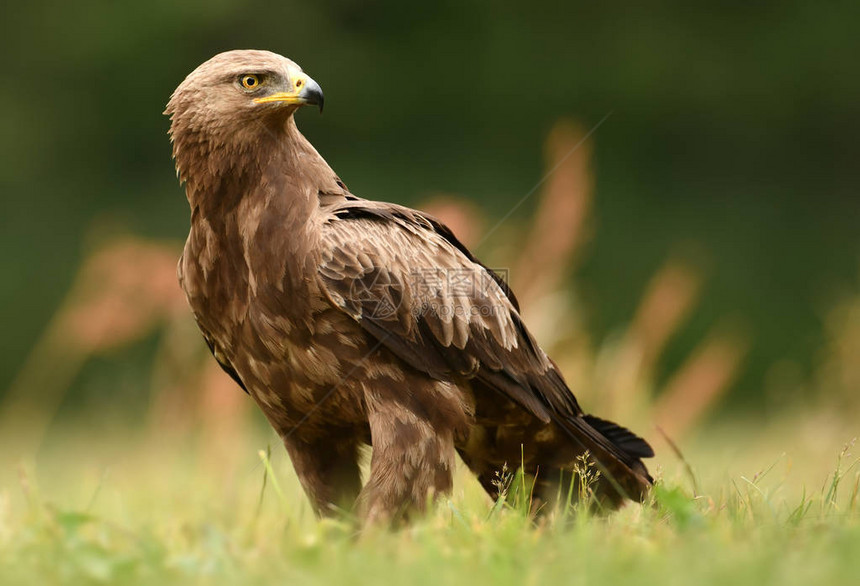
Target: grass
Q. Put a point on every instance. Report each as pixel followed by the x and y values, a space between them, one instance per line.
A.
pixel 143 510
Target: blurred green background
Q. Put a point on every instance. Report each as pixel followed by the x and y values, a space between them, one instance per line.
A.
pixel 732 143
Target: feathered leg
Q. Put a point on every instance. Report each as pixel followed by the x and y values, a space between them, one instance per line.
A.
pixel 413 448
pixel 328 470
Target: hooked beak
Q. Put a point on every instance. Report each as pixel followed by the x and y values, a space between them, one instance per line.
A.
pixel 306 92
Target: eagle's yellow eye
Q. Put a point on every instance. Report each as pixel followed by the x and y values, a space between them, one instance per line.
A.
pixel 250 82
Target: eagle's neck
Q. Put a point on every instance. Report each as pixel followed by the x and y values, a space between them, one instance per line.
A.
pixel 259 212
pixel 222 166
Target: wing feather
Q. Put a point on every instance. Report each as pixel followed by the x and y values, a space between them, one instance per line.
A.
pixel 421 293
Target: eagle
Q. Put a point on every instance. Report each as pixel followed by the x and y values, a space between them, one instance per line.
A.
pixel 352 322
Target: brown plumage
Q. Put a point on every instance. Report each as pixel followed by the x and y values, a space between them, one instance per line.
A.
pixel 357 322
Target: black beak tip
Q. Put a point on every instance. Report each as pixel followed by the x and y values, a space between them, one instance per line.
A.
pixel 312 94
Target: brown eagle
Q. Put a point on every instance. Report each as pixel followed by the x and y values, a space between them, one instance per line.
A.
pixel 353 322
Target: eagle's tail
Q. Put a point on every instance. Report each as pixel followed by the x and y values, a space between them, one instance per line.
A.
pixel 617 454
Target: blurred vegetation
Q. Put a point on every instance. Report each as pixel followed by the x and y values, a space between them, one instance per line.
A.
pixel 730 150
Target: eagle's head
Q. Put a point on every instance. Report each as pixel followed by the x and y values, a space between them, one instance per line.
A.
pixel 234 101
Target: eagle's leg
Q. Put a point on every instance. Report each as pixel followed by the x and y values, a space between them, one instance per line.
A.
pixel 327 468
pixel 413 454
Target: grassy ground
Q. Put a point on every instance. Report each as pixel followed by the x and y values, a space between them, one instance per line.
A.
pixel 164 511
